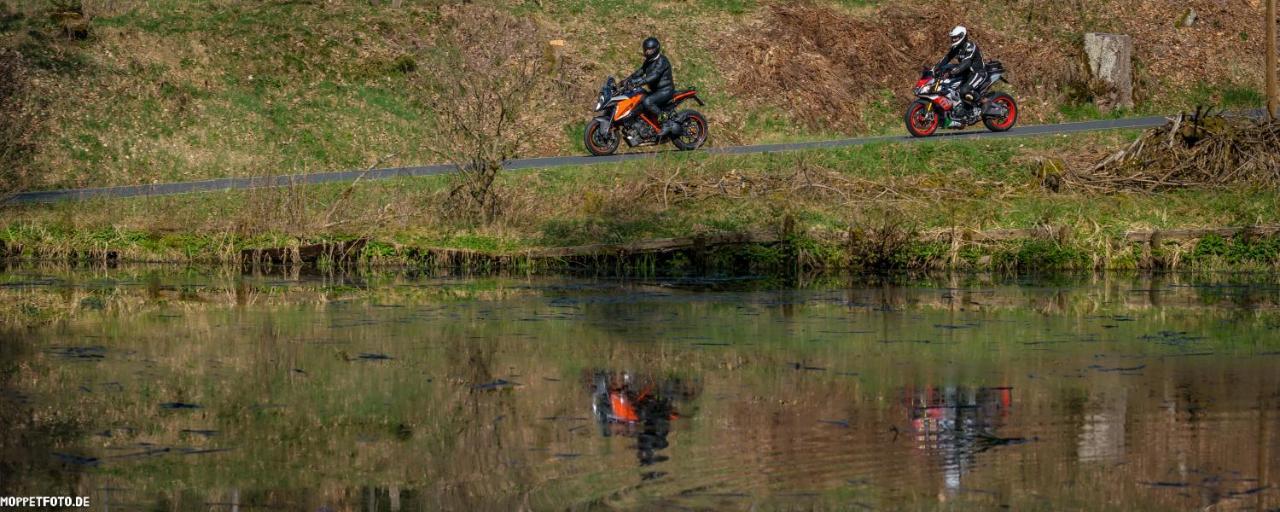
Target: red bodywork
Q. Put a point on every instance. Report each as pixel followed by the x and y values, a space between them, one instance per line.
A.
pixel 623 407
pixel 683 95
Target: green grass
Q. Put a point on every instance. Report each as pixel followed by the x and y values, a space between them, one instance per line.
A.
pixel 965 184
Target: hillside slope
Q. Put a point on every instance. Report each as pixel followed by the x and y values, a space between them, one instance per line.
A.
pixel 143 91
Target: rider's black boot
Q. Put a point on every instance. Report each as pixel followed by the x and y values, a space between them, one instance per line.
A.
pixel 669 128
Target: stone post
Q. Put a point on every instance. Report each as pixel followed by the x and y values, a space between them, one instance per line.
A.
pixel 1111 61
pixel 554 53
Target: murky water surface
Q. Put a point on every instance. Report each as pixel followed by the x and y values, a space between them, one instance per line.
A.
pixel 190 391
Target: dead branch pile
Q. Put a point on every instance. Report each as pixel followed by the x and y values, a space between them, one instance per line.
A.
pixel 1200 149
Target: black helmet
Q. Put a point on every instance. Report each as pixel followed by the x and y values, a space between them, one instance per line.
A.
pixel 651 47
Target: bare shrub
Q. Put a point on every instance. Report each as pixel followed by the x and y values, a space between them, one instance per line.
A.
pixel 284 206
pixel 482 90
pixel 883 246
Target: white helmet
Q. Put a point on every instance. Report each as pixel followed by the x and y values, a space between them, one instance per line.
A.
pixel 958 35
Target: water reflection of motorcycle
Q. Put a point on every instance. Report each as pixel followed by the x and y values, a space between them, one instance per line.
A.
pixel 639 406
pixel 958 423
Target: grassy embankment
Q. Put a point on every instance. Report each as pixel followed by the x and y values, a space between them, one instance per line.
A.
pixel 169 90
pixel 892 195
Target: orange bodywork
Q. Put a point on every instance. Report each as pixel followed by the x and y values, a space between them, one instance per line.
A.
pixel 622 408
pixel 626 106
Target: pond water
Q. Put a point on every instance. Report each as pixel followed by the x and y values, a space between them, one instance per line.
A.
pixel 201 390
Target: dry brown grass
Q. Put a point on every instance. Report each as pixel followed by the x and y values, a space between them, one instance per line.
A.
pixel 17 124
pixel 823 64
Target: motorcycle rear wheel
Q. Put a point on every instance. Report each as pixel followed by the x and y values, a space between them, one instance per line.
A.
pixel 1002 124
pixel 591 139
pixel 693 131
pixel 921 122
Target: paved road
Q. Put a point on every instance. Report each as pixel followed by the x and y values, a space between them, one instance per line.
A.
pixel 164 189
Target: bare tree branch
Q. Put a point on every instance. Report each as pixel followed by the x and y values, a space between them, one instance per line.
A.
pixel 493 69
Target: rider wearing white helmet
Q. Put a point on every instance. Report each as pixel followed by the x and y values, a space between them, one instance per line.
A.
pixel 969 67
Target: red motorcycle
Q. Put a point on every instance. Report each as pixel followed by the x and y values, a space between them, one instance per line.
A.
pixel 938 104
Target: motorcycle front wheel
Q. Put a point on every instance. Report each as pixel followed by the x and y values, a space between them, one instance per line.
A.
pixel 599 143
pixel 693 131
pixel 922 121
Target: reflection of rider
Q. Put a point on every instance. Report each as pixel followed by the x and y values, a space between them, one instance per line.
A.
pixel 969 68
pixel 634 411
pixel 655 73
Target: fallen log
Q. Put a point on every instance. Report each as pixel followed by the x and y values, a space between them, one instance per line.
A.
pixel 698 245
pixel 657 245
pixel 997 235
pixel 1198 233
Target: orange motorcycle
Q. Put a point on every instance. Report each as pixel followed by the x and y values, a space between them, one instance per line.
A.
pixel 620 117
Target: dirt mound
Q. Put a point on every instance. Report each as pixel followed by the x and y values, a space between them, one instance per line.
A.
pixel 1192 150
pixel 824 63
pixel 1225 43
pixel 827 65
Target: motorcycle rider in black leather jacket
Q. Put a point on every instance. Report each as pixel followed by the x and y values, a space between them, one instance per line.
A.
pixel 970 68
pixel 655 73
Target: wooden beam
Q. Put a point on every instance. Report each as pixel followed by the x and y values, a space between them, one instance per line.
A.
pixel 658 245
pixel 1193 234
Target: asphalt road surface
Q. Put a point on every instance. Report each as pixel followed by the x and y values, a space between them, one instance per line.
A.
pixel 165 189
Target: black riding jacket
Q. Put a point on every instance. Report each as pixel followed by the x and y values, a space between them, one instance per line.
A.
pixel 968 54
pixel 655 73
